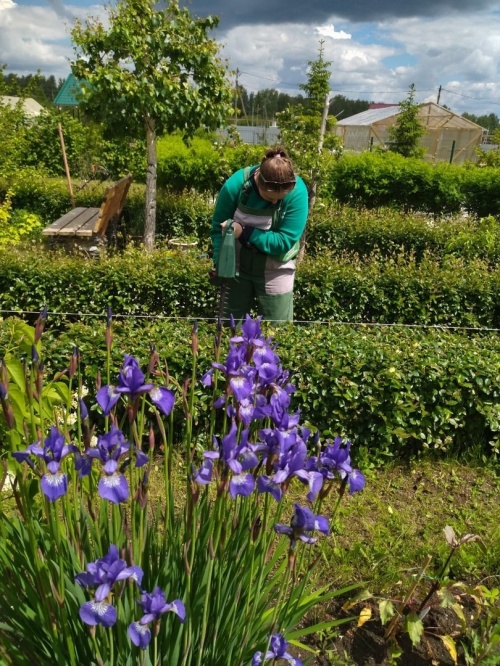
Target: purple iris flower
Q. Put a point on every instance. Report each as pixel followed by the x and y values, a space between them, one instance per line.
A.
pixel 54 483
pixel 277 650
pixel 204 475
pixel 239 457
pixel 154 606
pixel 267 373
pixel 110 448
pixel 163 398
pixel 241 484
pixel 84 412
pixel 103 574
pixel 208 378
pixel 265 355
pixel 266 485
pixel 246 412
pixel 98 612
pixel 234 361
pixel 131 378
pixel 291 463
pixel 336 458
pixel 303 522
pixel 279 404
pixel 107 397
pixel 242 384
pixel 251 332
pixel 131 382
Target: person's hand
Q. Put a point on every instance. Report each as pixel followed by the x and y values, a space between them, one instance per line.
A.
pixel 238 228
pixel 213 278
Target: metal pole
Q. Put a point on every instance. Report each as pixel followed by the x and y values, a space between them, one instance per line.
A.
pixel 66 165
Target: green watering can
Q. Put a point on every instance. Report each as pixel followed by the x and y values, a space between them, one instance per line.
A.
pixel 226 265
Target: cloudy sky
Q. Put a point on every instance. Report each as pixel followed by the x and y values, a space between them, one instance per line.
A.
pixel 378 48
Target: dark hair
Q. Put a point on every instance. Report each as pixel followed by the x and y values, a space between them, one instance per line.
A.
pixel 276 166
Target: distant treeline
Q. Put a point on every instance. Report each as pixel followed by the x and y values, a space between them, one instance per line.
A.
pixel 252 108
pixel 42 88
pixel 263 105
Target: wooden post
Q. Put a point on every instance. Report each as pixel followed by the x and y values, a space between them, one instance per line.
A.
pixel 66 165
pixel 452 151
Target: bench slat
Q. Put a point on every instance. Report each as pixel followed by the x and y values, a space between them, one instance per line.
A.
pixel 87 222
pixel 75 226
pixel 54 228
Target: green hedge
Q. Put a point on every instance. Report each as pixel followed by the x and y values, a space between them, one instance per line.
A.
pixel 390 391
pixel 333 228
pixel 203 165
pixel 388 179
pixel 368 180
pixel 398 290
pixel 388 232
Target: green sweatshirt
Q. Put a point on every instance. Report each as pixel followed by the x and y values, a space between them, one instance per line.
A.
pixel 276 242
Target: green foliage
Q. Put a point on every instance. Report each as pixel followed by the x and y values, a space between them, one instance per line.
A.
pixel 318 83
pixel 215 553
pixel 158 88
pixel 374 179
pixel 13 138
pixel 489 158
pixel 407 131
pixel 448 292
pixel 45 146
pixel 196 166
pixel 178 214
pixel 398 290
pixel 152 71
pixel 41 88
pixel 370 180
pixel 203 164
pixel 481 191
pixel 394 391
pixel 34 144
pixel 307 130
pixel 388 233
pixel 18 226
pixel 490 121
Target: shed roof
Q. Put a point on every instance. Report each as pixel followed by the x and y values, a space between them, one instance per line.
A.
pixel 433 115
pixel 30 106
pixel 68 95
pixel 370 116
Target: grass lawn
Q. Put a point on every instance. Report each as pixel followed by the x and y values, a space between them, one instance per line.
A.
pixel 384 535
pixel 381 538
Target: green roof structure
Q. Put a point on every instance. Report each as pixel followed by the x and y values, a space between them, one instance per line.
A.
pixel 68 95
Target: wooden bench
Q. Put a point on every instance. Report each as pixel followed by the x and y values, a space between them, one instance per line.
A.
pixel 84 227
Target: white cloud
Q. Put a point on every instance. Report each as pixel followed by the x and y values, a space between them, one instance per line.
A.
pixel 329 31
pixel 37 37
pixel 373 61
pixel 457 49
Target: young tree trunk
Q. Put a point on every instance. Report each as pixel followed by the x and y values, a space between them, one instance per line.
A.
pixel 150 209
pixel 314 185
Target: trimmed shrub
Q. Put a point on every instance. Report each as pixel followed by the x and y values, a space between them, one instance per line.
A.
pixel 376 179
pixel 396 290
pixel 392 391
pixel 388 232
